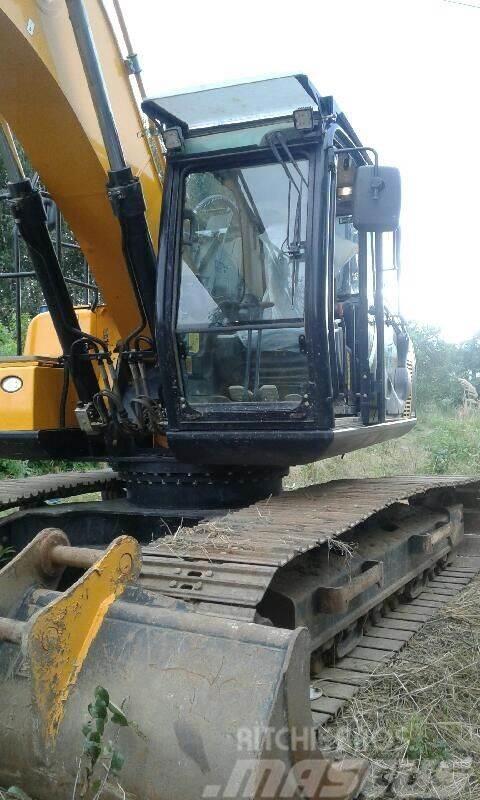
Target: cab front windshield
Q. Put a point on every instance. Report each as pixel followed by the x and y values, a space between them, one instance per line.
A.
pixel 240 321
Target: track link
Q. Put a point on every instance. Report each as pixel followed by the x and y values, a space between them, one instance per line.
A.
pixel 271 564
pixel 244 565
pixel 32 491
pixel 335 686
pixel 253 543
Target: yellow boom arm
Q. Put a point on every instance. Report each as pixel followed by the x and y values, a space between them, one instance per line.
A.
pixel 44 96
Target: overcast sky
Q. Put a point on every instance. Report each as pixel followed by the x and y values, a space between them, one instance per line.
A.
pixel 405 72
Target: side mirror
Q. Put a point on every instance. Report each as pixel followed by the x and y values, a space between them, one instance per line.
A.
pixel 377 199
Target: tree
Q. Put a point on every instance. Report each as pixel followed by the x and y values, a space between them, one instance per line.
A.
pixel 470 356
pixel 73 265
pixel 439 366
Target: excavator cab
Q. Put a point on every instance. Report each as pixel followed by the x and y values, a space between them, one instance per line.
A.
pixel 270 312
pixel 263 339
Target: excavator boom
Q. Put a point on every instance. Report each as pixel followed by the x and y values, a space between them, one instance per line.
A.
pixel 45 98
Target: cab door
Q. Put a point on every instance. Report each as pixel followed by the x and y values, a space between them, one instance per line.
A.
pixel 367 338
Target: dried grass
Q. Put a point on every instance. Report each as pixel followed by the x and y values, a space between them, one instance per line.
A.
pixel 418 720
pixel 204 539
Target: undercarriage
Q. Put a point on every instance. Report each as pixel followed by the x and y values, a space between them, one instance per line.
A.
pixel 265 618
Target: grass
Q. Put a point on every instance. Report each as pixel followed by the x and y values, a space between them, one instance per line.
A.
pixel 417 721
pixel 442 442
pixel 23 469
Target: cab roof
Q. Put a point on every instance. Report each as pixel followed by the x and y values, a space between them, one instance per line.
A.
pixel 208 109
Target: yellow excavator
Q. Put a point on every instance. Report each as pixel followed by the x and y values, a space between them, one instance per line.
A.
pixel 238 237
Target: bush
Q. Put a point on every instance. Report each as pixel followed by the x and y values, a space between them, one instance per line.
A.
pixel 452 443
pixel 8 345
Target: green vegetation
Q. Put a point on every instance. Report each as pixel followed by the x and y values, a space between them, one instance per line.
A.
pixel 421 741
pixel 101 762
pixel 23 469
pixel 442 442
pixel 14 793
pixel 440 364
pixel 7 340
pixel 73 267
pixel 6 553
pixel 451 443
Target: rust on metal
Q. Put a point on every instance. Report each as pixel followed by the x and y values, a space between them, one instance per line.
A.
pixel 56 553
pixel 428 541
pixel 336 599
pixel 244 549
pixel 60 635
pixel 227 564
pixel 67 556
pixel 333 687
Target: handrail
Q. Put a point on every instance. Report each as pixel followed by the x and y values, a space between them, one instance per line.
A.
pixel 18 276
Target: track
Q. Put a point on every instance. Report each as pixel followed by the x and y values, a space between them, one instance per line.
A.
pixel 332 558
pixel 276 562
pixel 227 564
pixel 31 491
pixel 234 559
pixel 336 685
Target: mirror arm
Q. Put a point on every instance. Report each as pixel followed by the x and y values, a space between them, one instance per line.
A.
pixel 346 150
pixel 380 326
